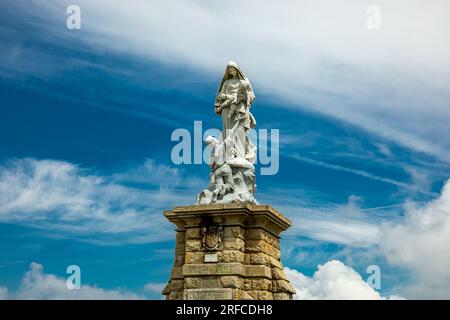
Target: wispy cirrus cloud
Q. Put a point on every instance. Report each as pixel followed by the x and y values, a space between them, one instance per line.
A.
pixel 418 188
pixel 345 224
pixel 391 82
pixel 69 200
pixel 315 217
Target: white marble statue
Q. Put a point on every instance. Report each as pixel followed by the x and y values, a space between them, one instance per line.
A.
pixel 232 156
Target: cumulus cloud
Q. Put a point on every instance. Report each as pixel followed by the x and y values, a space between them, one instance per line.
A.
pixel 38 285
pixel 62 197
pixel 414 237
pixel 421 243
pixel 332 281
pixel 317 55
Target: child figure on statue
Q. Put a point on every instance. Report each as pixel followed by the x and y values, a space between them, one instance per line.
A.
pixel 234 100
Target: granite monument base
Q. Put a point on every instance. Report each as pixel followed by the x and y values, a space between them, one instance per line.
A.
pixel 228 252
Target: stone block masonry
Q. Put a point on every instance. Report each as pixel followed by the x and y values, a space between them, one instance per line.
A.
pixel 228 252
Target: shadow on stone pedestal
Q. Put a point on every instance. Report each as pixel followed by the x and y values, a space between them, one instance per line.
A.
pixel 228 252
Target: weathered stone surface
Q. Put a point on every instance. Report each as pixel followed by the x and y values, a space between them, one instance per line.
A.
pixel 261 234
pixel 282 296
pixel 179 260
pixel 265 295
pixel 214 269
pixel 259 258
pixel 253 294
pixel 193 257
pixel 260 295
pixel 193 233
pixel 246 210
pixel 278 274
pixel 194 245
pixel 233 244
pixel 180 249
pixel 180 244
pixel 177 285
pixel 167 288
pixel 237 294
pixel 258 271
pixel 176 295
pixel 234 232
pixel 245 296
pixel 261 284
pixel 231 282
pixel 282 286
pixel 193 283
pixel 180 237
pixel 247 284
pixel 199 282
pixel 231 256
pixel 208 294
pixel 275 263
pixel 248 262
pixel 177 273
pixel 258 246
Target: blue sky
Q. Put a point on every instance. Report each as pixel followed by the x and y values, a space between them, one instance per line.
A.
pixel 86 118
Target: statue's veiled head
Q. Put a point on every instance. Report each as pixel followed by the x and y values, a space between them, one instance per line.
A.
pixel 232 70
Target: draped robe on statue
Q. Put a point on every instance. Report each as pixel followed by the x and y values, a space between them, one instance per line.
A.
pixel 233 155
pixel 239 92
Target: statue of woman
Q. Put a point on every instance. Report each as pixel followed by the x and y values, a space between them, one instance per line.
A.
pixel 232 177
pixel 233 101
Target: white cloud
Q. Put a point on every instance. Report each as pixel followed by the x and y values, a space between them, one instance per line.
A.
pixel 422 244
pixel 335 229
pixel 154 288
pixel 412 236
pixel 417 242
pixel 392 82
pixel 62 197
pixel 332 281
pixel 4 293
pixel 328 222
pixel 410 187
pixel 38 285
pixel 153 173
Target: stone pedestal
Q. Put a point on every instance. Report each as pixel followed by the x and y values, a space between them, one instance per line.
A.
pixel 228 252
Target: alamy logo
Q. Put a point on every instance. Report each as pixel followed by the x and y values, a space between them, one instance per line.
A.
pixel 374 280
pixel 373 21
pixel 74 279
pixel 73 21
